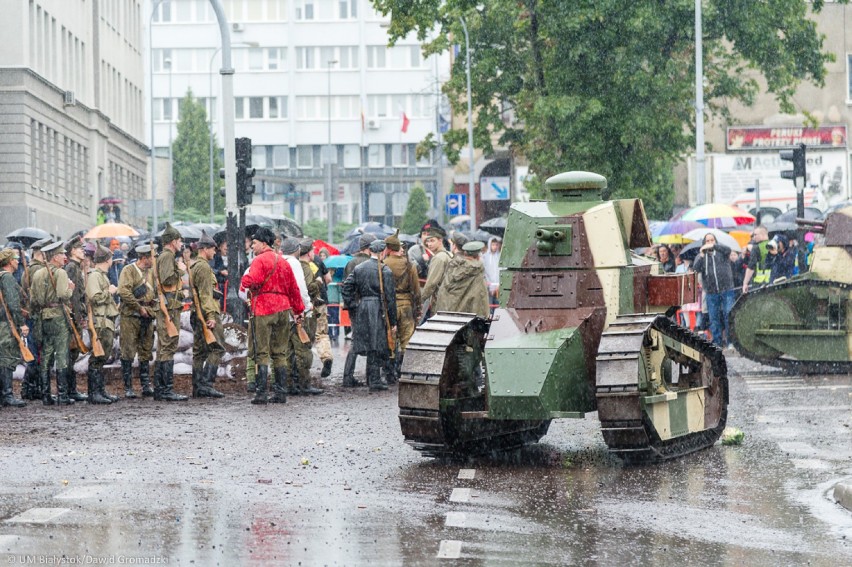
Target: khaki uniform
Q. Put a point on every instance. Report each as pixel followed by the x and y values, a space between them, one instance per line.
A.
pixel 169 275
pixel 10 354
pixel 408 303
pixel 437 268
pixel 48 293
pixel 104 312
pixel 204 280
pixel 79 314
pixel 136 333
pixel 304 357
pixel 464 289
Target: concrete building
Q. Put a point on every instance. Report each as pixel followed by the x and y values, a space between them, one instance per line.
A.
pixel 71 100
pixel 315 84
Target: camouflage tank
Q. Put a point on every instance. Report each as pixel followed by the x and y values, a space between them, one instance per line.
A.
pixel 804 324
pixel 582 326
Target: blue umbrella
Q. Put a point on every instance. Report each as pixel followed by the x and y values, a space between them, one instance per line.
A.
pixel 337 261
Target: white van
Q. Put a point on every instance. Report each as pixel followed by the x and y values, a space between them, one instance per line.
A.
pixel 781 199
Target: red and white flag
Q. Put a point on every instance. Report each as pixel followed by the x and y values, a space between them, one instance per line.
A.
pixel 405 123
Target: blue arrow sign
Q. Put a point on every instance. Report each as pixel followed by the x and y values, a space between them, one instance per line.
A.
pixel 494 188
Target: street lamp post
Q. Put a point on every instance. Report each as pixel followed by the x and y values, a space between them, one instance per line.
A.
pixel 167 62
pixel 471 193
pixel 153 145
pixel 329 162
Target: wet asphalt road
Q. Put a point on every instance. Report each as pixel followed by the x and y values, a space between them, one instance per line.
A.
pixel 327 480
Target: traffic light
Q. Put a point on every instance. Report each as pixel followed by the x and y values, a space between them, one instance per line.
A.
pixel 245 172
pixel 797 156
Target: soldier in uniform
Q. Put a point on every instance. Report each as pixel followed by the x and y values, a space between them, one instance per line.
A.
pixel 136 288
pixel 369 329
pixel 304 356
pixel 10 354
pixel 76 268
pixel 31 386
pixel 205 357
pixel 274 297
pixel 434 242
pixel 320 335
pixel 464 288
pixel 363 255
pixel 168 276
pixel 407 288
pixel 50 291
pixel 99 293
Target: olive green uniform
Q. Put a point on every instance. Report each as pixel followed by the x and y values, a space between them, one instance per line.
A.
pixel 104 311
pixel 408 303
pixel 79 314
pixel 464 289
pixel 10 354
pixel 437 268
pixel 31 386
pixel 204 281
pixel 169 276
pixel 48 293
pixel 302 353
pixel 136 334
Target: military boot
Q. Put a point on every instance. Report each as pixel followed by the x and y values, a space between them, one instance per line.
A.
pixel 260 379
pixel 374 374
pixel 279 389
pixel 159 387
pixel 349 371
pixel 95 396
pixel 307 389
pixel 326 368
pixel 127 376
pixel 46 398
pixel 8 398
pixel 169 394
pixel 208 377
pixel 31 385
pixel 292 380
pixel 197 372
pixel 101 383
pixel 144 378
pixel 71 380
pixel 62 389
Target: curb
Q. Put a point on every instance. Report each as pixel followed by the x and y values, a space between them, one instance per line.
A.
pixel 843 493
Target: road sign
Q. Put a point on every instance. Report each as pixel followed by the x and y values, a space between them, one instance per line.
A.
pixel 494 188
pixel 456 204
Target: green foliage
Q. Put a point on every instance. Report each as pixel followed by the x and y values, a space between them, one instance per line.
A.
pixel 191 151
pixel 318 229
pixel 607 85
pixel 416 212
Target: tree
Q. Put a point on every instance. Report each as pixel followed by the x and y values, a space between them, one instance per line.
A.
pixel 318 230
pixel 191 151
pixel 416 212
pixel 607 85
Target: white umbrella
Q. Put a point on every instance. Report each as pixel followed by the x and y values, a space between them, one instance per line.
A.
pixel 722 238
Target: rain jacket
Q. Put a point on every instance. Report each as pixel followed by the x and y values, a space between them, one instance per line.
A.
pixel 715 269
pixel 464 289
pixel 273 285
pixel 491 261
pixel 361 288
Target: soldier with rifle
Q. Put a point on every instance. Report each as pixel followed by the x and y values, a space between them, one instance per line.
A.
pixel 408 305
pixel 208 334
pixel 137 290
pixel 13 328
pixel 168 276
pixel 31 386
pixel 76 268
pixel 49 293
pixel 102 311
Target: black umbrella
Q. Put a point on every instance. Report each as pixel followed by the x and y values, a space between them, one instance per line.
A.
pixel 479 235
pixel 409 239
pixel 350 247
pixel 278 223
pixel 782 226
pixel 495 226
pixel 377 228
pixel 690 251
pixel 27 236
pixel 811 213
pixel 187 232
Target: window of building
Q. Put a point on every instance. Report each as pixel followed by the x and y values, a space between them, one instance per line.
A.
pixel 255 107
pixel 376 155
pixel 254 10
pixel 258 157
pixel 849 75
pixel 348 9
pixel 325 9
pixel 183 11
pixel 377 106
pixel 239 108
pixel 308 107
pixel 376 57
pixel 255 58
pixel 304 157
pixel 304 9
pixel 275 58
pixel 351 155
pixel 276 10
pixel 305 57
pixel 280 157
pixel 399 154
pixel 273 107
pixel 160 56
pixel 167 109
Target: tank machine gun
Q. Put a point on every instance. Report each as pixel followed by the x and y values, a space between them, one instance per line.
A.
pixel 582 326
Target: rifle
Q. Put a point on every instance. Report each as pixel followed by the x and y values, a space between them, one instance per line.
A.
pixel 66 310
pixel 391 338
pixel 171 330
pixel 209 338
pixel 303 334
pixel 25 352
pixel 97 346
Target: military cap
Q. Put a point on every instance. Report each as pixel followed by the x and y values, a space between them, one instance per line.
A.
pixel 142 249
pixel 306 245
pixel 290 246
pixel 265 235
pixel 435 232
pixel 102 254
pixel 473 248
pixel 170 234
pixel 205 241
pixel 54 249
pixel 460 240
pixel 393 242
pixel 6 255
pixel 377 246
pixel 365 240
pixel 39 244
pixel 75 242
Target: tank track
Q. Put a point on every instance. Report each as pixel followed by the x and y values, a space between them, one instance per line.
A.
pixel 790 366
pixel 626 428
pixel 430 407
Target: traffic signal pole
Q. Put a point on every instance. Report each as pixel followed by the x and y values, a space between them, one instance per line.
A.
pixel 798 175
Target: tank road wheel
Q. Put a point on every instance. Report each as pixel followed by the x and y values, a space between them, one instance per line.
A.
pixel 662 390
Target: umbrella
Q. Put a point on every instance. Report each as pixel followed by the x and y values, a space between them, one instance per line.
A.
pixel 110 230
pixel 496 226
pixel 811 213
pixel 187 232
pixel 409 239
pixel 350 247
pixel 722 238
pixel 690 251
pixel 110 201
pixel 377 228
pixel 332 250
pixel 461 219
pixel 27 236
pixel 279 223
pixel 479 235
pixel 717 215
pixel 338 261
pixel 671 232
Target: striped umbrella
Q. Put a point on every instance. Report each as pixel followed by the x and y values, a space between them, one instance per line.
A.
pixel 718 215
pixel 671 232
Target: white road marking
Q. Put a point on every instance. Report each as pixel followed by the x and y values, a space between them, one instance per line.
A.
pixel 80 492
pixel 449 549
pixel 460 495
pixel 467 474
pixel 37 515
pixel 788 409
pixel 456 520
pixel 792 388
pixel 8 540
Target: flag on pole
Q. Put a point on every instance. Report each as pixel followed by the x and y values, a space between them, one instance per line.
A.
pixel 405 123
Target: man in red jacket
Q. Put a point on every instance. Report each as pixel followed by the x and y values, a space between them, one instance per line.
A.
pixel 274 296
